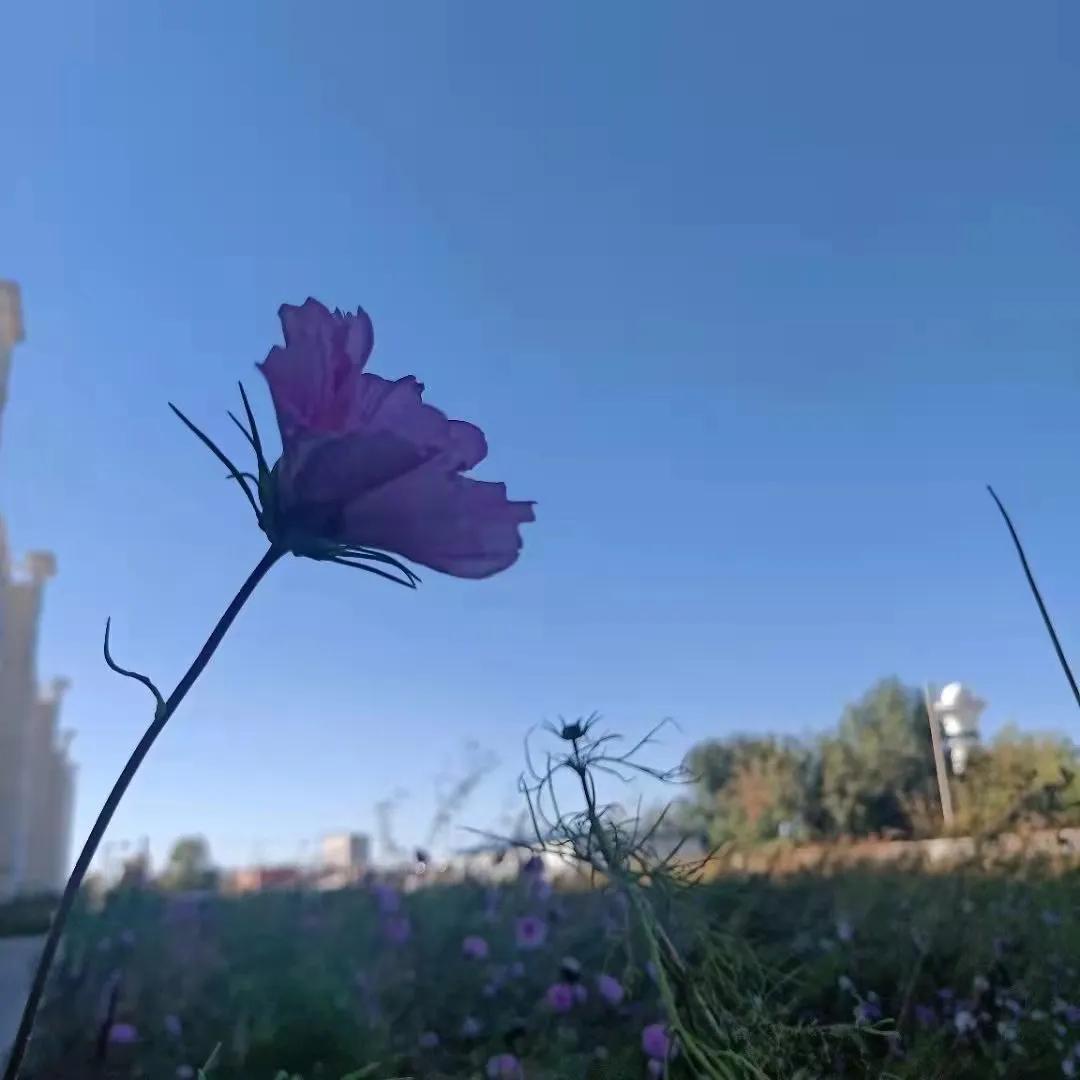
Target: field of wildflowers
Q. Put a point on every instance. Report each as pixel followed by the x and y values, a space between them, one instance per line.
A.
pixel 858 974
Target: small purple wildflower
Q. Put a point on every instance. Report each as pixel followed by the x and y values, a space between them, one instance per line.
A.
pixel 504 1067
pixel 656 1042
pixel 173 1027
pixel 610 989
pixel 964 1021
pixel 925 1015
pixel 559 997
pixel 470 1028
pixel 475 947
pixel 517 970
pixel 397 929
pixel 530 932
pixel 185 1072
pixel 428 1040
pixel 581 995
pixel 123 1034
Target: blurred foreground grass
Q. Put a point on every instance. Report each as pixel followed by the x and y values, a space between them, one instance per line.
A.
pixel 860 973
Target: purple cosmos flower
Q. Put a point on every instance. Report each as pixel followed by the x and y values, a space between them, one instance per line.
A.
pixel 428 1040
pixel 560 997
pixel 123 1034
pixel 610 989
pixel 475 947
pixel 397 929
pixel 504 1067
pixel 656 1042
pixel 367 465
pixel 530 932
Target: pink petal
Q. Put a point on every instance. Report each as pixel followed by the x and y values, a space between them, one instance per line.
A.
pixel 311 377
pixel 440 519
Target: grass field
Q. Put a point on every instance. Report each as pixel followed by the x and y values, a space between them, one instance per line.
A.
pixel 858 974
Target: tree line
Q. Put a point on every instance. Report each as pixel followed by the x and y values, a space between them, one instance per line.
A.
pixel 874 776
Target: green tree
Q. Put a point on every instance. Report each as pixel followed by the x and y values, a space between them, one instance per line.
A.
pixel 752 789
pixel 1018 781
pixel 189 865
pixel 877 771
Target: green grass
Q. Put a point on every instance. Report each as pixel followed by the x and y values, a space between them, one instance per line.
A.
pixel 776 979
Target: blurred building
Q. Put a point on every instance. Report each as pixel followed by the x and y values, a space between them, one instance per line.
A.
pixel 263 879
pixel 344 859
pixel 37 777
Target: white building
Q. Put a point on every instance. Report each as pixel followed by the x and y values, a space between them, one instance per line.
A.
pixel 344 858
pixel 36 774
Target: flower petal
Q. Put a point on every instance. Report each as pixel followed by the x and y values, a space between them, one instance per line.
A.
pixel 440 519
pixel 311 379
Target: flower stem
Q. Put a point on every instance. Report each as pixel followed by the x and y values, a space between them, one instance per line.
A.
pixel 161 718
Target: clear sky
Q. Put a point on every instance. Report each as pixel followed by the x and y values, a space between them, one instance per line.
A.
pixel 753 299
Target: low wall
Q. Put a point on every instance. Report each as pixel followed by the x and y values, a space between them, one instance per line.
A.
pixel 941 852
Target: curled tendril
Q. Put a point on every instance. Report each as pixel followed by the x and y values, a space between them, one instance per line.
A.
pixel 137 676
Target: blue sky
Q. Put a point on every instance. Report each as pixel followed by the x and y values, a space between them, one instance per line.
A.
pixel 752 300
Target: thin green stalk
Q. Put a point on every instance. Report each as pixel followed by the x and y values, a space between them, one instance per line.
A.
pixel 1038 597
pixel 161 717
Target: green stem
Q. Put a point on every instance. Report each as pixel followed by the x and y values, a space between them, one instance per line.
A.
pixel 82 865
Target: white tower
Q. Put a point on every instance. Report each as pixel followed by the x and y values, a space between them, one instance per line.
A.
pixel 959 710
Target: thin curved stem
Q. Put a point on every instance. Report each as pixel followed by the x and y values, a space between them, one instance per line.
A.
pixel 82 865
pixel 1047 621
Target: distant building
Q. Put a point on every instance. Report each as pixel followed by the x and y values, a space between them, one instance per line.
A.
pixel 37 777
pixel 263 879
pixel 344 859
